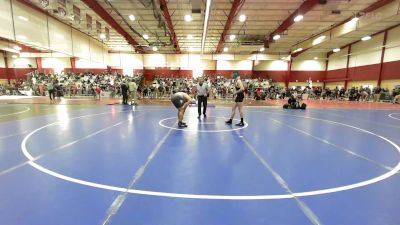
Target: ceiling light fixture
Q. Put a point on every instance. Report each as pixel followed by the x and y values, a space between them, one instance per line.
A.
pixel 242 18
pixel 188 18
pixel 145 36
pixel 23 18
pixel 298 50
pixel 155 48
pixel 298 18
pixel 262 49
pixel 318 40
pixel 232 37
pixel 336 50
pixel 14 56
pixel 366 38
pixel 17 48
pixel 315 58
pixel 355 19
pixel 22 37
pixel 226 49
pixel 102 36
pixel 190 36
pixel 205 24
pixel 132 17
pixel 276 37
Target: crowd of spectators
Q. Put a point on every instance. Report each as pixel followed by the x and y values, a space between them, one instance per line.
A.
pixel 219 88
pixel 261 89
pixel 90 84
pixel 70 84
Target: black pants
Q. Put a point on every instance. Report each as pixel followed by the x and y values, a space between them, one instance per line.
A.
pixel 202 99
pixel 51 93
pixel 125 98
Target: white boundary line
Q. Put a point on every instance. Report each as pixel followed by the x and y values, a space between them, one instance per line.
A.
pixel 219 197
pixel 391 116
pixel 202 131
pixel 23 111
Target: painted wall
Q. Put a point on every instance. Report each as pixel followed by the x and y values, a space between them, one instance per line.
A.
pixel 6 25
pixel 22 63
pixel 304 76
pixel 122 60
pixel 393 45
pixel 338 60
pixel 308 65
pixel 235 65
pixel 57 64
pixel 273 65
pixel 2 62
pixel 365 53
pixel 309 61
pixel 333 85
pixel 278 76
pixel 365 58
pixel 362 83
pixel 337 63
pixel 29 26
pixel 391 70
pixel 86 64
pixel 390 84
pixel 13 73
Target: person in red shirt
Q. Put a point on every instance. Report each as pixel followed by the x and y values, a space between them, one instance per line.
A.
pixel 98 91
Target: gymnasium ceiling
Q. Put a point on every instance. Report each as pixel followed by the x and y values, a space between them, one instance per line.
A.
pixel 263 17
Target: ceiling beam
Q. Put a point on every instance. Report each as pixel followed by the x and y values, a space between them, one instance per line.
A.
pixel 167 17
pixel 236 5
pixel 99 10
pixel 302 10
pixel 374 6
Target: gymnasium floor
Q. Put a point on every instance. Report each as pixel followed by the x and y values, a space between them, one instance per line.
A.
pixel 113 164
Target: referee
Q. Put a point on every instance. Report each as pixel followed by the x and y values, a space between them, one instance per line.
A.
pixel 202 92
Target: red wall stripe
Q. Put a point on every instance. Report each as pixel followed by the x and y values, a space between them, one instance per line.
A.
pixel 278 76
pixel 15 73
pixel 391 70
pixel 369 72
pixel 303 76
pixel 336 74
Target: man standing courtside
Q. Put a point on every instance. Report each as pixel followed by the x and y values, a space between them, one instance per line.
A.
pixel 202 93
pixel 132 90
pixel 124 91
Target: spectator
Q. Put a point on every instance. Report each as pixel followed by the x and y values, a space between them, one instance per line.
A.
pixel 377 94
pixel 124 91
pixel 98 92
pixel 132 90
pixel 50 87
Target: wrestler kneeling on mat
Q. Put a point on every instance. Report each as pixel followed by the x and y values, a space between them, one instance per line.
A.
pixel 238 100
pixel 181 101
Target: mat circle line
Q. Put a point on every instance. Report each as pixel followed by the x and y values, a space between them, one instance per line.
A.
pixel 203 131
pixel 382 177
pixel 19 112
pixel 393 117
